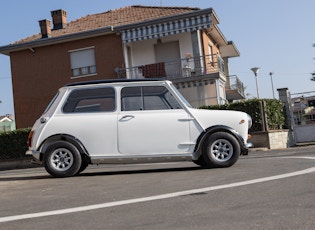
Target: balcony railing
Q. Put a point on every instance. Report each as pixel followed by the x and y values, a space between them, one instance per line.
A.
pixel 187 67
pixel 234 88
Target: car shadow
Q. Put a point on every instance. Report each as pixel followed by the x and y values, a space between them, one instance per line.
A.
pixel 141 171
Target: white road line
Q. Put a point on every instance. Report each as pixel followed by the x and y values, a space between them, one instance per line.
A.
pixel 299 157
pixel 152 198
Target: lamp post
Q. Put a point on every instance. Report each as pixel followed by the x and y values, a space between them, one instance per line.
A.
pixel 256 70
pixel 273 92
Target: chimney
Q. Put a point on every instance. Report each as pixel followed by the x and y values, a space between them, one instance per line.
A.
pixel 59 18
pixel 45 28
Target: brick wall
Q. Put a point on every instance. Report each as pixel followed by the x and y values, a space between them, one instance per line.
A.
pixel 37 75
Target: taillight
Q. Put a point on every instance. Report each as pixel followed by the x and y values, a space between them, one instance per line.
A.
pixel 29 139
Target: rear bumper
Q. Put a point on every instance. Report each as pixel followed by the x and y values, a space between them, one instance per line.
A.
pixel 33 153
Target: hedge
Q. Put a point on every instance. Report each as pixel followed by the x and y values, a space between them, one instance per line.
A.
pixel 13 145
pixel 272 108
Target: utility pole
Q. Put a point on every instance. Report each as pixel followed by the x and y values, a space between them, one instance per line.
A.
pixel 273 92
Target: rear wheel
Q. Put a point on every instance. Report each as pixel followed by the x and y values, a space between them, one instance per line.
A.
pixel 62 159
pixel 221 149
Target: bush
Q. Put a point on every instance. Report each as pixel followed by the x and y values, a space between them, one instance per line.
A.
pixel 273 110
pixel 13 144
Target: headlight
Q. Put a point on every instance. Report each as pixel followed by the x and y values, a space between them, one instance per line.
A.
pixel 250 121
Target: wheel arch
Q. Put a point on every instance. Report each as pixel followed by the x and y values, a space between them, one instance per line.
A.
pixel 214 129
pixel 63 137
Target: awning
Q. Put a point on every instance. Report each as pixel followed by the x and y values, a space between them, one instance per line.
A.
pixel 167 28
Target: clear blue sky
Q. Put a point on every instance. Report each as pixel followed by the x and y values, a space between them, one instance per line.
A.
pixel 275 35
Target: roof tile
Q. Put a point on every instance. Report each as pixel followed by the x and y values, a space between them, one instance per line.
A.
pixel 118 17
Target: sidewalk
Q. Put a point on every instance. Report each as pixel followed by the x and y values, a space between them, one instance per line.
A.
pixel 16 164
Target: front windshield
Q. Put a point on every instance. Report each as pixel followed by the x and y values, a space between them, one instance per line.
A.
pixel 180 96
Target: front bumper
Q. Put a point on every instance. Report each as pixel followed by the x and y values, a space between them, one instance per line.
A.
pixel 245 148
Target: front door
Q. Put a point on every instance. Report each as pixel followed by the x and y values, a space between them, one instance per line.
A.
pixel 152 122
pixel 169 53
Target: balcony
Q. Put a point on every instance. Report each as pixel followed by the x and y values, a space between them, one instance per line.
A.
pixel 177 69
pixel 234 88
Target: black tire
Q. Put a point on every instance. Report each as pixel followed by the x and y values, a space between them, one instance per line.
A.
pixel 62 159
pixel 221 150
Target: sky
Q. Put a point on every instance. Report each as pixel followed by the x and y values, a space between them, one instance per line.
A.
pixel 275 35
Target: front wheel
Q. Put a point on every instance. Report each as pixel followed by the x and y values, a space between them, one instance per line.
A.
pixel 62 159
pixel 221 149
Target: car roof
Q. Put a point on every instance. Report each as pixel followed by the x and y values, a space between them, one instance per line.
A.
pixel 95 82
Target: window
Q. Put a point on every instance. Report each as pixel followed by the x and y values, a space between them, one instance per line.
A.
pixel 147 98
pixel 210 55
pixel 90 100
pixel 82 62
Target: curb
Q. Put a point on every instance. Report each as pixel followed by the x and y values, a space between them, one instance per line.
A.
pixel 16 164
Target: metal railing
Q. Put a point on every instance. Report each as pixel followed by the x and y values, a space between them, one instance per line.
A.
pixel 234 83
pixel 181 68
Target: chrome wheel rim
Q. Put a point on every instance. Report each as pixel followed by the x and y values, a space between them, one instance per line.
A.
pixel 61 159
pixel 221 150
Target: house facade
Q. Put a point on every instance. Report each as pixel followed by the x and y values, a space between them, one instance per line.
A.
pixel 180 44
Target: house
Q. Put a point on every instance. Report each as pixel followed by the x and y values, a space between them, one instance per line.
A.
pixel 181 44
pixel 303 110
pixel 6 123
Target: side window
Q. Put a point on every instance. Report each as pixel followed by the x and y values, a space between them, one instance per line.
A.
pixel 131 99
pixel 82 62
pixel 147 98
pixel 90 100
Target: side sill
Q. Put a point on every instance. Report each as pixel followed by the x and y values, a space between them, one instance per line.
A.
pixel 140 159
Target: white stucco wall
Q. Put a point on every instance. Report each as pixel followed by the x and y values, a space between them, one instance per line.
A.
pixel 304 133
pixel 142 52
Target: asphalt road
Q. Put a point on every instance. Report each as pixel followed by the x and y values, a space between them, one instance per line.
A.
pixel 264 190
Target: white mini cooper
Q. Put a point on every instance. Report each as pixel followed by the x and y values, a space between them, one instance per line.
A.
pixel 133 121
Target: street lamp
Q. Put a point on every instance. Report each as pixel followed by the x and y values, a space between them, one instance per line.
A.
pixel 273 92
pixel 256 70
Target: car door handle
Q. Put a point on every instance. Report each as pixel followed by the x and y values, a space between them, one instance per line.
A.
pixel 127 117
pixel 186 119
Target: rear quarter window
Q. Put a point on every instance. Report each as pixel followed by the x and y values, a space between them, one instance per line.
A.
pixel 91 100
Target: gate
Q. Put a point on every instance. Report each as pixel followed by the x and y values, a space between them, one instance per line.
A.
pixel 303 116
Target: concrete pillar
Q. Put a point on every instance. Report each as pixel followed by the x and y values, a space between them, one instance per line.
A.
pixel 285 97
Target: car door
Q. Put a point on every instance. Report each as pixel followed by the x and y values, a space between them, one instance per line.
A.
pixel 151 121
